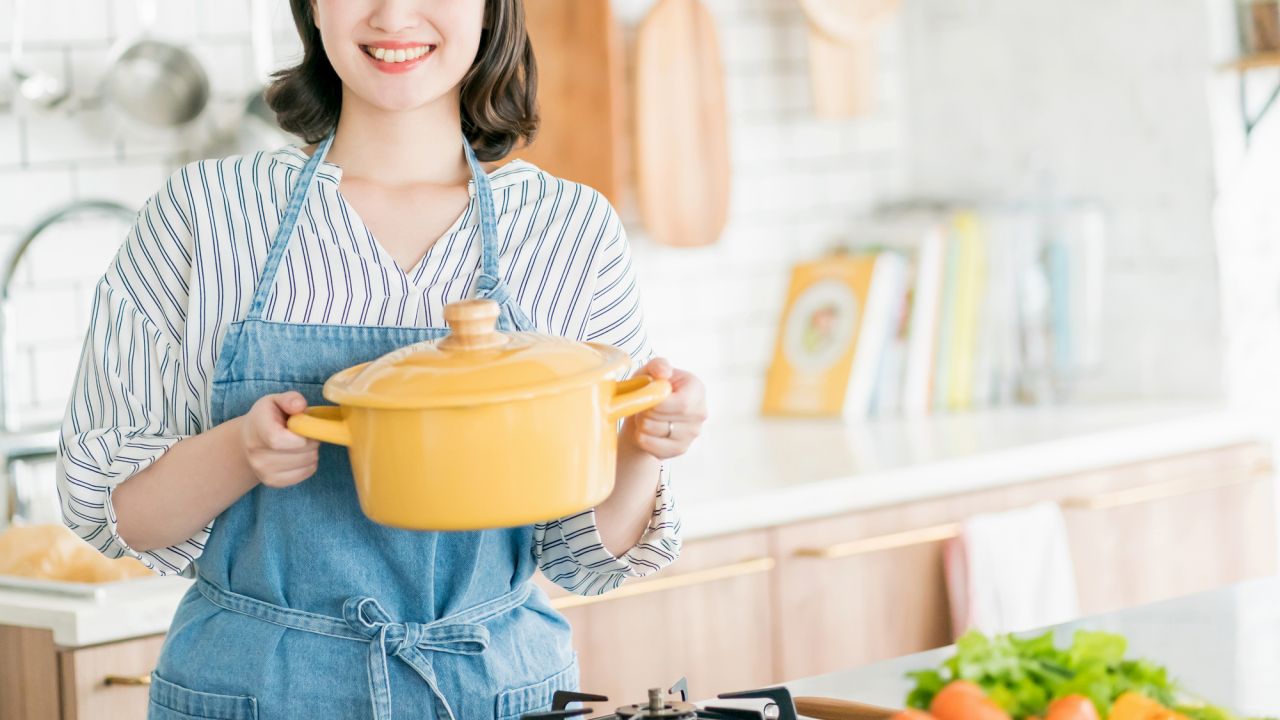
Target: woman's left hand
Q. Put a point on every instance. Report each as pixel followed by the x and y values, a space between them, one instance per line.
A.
pixel 669 428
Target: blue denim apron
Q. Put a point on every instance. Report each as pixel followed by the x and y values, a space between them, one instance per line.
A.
pixel 305 608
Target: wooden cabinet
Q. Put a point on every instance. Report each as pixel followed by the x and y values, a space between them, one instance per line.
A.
pixel 1172 528
pixel 108 681
pixel 869 586
pixel 28 674
pixel 709 617
pixel 861 587
pixel 39 681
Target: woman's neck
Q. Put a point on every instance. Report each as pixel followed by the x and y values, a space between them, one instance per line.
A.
pixel 401 148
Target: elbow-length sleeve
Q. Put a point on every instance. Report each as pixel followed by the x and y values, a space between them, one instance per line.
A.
pixel 127 406
pixel 570 550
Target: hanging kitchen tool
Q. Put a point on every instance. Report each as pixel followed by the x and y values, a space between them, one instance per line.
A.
pixel 40 89
pixel 581 136
pixel 155 83
pixel 422 424
pixel 842 54
pixel 682 144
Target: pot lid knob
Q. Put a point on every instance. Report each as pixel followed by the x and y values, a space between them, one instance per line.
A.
pixel 473 325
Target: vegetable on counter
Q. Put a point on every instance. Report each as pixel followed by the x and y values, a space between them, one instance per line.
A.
pixel 963 700
pixel 1002 677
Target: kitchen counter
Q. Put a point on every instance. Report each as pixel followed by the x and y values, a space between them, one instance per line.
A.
pixel 753 474
pixel 760 473
pixel 1223 646
pixel 128 610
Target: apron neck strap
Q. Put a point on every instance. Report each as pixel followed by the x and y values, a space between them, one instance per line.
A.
pixel 297 197
pixel 488 216
pixel 302 188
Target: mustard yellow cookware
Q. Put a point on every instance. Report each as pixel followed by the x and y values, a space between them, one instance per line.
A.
pixel 481 429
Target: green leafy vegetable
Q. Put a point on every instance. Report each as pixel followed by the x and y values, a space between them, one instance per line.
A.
pixel 1023 675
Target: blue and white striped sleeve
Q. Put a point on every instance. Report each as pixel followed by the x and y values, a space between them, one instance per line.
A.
pixel 126 409
pixel 570 550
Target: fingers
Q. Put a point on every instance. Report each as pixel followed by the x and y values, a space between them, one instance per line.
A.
pixel 660 447
pixel 271 418
pixel 289 403
pixel 292 476
pixel 658 368
pixel 657 428
pixel 278 456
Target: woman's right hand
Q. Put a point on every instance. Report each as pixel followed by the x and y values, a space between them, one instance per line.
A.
pixel 278 456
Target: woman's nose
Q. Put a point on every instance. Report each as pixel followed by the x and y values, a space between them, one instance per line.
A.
pixel 393 16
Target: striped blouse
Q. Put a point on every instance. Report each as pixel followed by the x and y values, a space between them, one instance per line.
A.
pixel 188 269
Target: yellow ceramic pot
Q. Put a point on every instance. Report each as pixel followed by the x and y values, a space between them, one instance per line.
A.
pixel 481 429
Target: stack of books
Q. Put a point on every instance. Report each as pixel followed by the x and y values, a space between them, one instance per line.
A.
pixel 978 310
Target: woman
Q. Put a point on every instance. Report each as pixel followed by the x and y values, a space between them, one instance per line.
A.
pixel 247 281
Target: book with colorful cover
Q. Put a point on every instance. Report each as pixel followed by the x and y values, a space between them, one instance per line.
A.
pixel 925 324
pixel 947 319
pixel 832 332
pixel 970 280
pixel 880 326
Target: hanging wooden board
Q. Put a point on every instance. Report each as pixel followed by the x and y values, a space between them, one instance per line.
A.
pixel 580 93
pixel 842 53
pixel 681 127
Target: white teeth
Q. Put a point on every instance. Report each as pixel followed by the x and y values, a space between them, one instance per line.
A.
pixel 397 56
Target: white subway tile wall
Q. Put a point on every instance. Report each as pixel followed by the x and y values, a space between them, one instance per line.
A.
pixel 1001 91
pixel 1247 225
pixel 962 100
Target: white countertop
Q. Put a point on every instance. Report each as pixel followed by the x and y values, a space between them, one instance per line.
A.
pixel 128 610
pixel 758 473
pixel 755 474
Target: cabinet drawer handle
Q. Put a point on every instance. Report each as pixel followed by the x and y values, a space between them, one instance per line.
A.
pixel 1160 491
pixel 754 566
pixel 892 541
pixel 131 680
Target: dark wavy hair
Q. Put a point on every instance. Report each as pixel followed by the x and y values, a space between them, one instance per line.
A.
pixel 499 92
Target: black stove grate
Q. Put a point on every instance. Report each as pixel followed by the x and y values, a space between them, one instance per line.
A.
pixel 779 706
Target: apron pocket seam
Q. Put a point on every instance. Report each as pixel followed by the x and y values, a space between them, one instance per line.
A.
pixel 198 704
pixel 536 697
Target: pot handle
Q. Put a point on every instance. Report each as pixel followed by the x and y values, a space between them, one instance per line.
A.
pixel 637 395
pixel 323 423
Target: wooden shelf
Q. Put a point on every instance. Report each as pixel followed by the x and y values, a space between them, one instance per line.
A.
pixel 1252 62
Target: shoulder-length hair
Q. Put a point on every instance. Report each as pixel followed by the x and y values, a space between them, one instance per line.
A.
pixel 499 92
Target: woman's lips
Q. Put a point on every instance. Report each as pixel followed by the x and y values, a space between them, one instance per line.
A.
pixel 397 57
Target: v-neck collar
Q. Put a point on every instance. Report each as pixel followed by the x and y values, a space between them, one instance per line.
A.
pixel 505 175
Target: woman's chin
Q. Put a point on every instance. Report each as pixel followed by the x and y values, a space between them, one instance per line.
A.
pixel 381 100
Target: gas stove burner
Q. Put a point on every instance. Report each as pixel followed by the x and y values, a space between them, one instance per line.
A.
pixel 778 706
pixel 658 709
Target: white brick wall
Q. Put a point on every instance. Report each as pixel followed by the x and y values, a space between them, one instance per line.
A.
pixel 1247 224
pixel 968 90
pixel 1108 97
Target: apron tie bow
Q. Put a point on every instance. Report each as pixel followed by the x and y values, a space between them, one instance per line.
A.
pixel 407 641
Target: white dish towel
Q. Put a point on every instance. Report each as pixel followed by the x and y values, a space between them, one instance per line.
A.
pixel 1011 571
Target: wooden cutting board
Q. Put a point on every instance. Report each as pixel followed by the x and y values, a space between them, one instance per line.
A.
pixel 681 128
pixel 580 93
pixel 842 54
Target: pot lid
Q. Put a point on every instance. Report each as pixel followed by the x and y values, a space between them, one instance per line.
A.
pixel 473 365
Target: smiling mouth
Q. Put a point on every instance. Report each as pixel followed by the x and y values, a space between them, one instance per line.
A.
pixel 397 55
